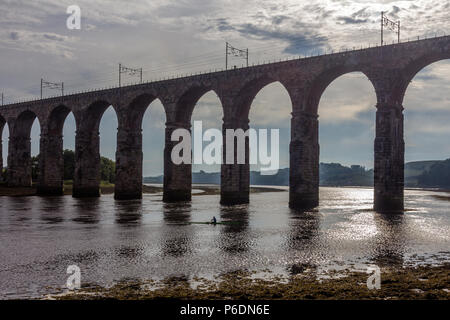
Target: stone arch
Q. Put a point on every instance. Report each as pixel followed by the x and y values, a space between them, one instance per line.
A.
pixel 153 137
pixel 347 123
pixel 19 151
pixel 282 124
pixel 129 153
pixel 188 100
pixel 51 155
pixel 321 82
pixel 241 108
pixel 2 126
pixel 23 123
pixel 425 113
pixel 412 69
pixel 57 118
pixel 92 115
pixel 178 178
pixel 87 149
pixel 132 114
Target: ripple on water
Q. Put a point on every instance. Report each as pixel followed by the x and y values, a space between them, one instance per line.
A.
pixel 146 239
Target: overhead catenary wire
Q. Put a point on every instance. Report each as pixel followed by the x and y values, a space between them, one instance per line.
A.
pixel 197 61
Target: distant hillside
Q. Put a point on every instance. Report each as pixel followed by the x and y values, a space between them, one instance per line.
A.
pixel 418 174
pixel 330 175
pixel 428 174
pixel 335 174
pixel 413 170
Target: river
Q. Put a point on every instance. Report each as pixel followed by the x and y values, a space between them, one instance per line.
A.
pixel 146 239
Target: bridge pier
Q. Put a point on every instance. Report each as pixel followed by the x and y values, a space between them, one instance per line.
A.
pixel 51 165
pixel 235 178
pixel 177 177
pixel 389 159
pixel 304 161
pixel 19 161
pixel 128 184
pixel 2 125
pixel 1 157
pixel 86 180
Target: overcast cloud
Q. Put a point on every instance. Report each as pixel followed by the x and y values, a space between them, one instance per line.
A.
pixel 175 37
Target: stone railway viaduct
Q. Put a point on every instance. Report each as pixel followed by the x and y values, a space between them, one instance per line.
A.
pixel 389 68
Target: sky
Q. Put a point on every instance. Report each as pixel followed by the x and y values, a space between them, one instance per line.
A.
pixel 169 38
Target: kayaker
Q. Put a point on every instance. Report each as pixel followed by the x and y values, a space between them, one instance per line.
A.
pixel 213 220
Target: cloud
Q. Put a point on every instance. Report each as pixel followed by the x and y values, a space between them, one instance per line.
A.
pixel 14 35
pixel 349 20
pixel 297 42
pixel 41 42
pixel 168 37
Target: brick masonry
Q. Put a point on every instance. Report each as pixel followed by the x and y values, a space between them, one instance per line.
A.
pixel 389 68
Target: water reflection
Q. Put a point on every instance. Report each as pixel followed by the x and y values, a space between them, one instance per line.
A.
pixel 176 239
pixel 87 210
pixel 112 240
pixel 390 241
pixel 128 212
pixel 52 209
pixel 177 213
pixel 302 237
pixel 21 208
pixel 234 237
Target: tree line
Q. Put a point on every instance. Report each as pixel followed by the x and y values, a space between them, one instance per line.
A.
pixel 107 167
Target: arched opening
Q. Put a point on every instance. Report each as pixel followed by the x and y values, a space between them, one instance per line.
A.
pixel 4 136
pixel 270 118
pixel 153 133
pixel 206 121
pixel 346 132
pixel 178 163
pixel 108 144
pixel 426 113
pixel 69 132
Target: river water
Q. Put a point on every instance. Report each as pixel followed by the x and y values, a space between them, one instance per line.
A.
pixel 146 239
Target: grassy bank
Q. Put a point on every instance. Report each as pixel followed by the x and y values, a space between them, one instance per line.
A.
pixel 424 282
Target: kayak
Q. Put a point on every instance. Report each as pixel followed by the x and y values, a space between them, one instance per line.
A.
pixel 224 222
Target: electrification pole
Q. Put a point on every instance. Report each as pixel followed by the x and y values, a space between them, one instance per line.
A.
pixel 391 25
pixel 52 85
pixel 235 52
pixel 130 72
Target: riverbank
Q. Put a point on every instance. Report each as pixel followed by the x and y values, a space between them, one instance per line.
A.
pixel 425 282
pixel 108 188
